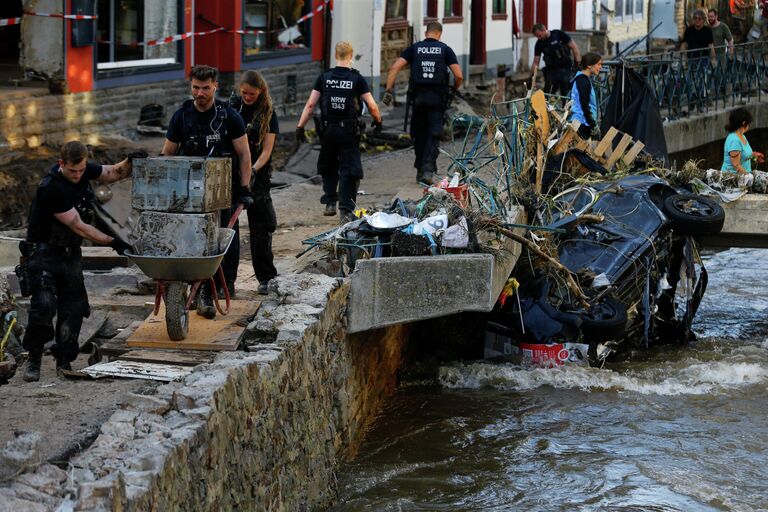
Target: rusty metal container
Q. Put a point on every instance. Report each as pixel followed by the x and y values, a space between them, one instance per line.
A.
pixel 177 234
pixel 182 184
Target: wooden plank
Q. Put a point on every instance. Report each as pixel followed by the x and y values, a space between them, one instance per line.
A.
pixel 117 346
pixel 221 333
pixel 539 106
pixel 136 370
pixel 630 155
pixel 565 140
pixel 625 141
pixel 176 357
pixel 539 166
pixel 606 142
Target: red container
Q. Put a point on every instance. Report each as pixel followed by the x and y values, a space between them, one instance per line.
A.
pixel 460 193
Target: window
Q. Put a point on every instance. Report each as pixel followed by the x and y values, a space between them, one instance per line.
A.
pixel 276 19
pixel 396 9
pixel 124 23
pixel 452 9
pixel 628 10
pixel 499 7
pixel 430 8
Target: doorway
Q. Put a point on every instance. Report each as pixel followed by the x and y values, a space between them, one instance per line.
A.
pixel 477 34
pixel 10 37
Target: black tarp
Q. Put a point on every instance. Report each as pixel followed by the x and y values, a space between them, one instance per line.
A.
pixel 632 109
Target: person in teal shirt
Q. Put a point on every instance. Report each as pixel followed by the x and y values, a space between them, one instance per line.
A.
pixel 738 153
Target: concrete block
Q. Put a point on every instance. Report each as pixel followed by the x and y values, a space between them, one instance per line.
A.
pixel 182 184
pixel 177 234
pixel 390 291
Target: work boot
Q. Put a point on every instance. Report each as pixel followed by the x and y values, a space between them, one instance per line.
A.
pixel 427 178
pixel 205 307
pixel 62 366
pixel 263 288
pixel 32 370
pixel 346 216
pixel 230 287
pixel 330 210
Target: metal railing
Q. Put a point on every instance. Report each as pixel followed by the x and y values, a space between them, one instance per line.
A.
pixel 691 81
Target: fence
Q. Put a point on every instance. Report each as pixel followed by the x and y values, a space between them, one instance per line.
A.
pixel 690 81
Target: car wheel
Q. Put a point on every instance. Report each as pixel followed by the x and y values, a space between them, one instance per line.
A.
pixel 604 320
pixel 692 214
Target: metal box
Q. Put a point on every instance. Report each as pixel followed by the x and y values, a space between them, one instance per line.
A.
pixel 177 234
pixel 182 184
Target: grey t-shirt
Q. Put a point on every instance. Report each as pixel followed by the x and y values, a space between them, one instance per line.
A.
pixel 721 34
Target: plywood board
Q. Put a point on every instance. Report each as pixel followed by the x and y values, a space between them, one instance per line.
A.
pixel 136 370
pixel 539 106
pixel 221 333
pixel 177 357
pixel 606 142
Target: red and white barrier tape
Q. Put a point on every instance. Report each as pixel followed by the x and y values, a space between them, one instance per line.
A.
pixel 179 37
pixel 16 21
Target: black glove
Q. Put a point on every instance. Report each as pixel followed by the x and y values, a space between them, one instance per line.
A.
pixel 242 195
pixel 376 127
pixel 137 154
pixel 300 135
pixel 388 97
pixel 120 247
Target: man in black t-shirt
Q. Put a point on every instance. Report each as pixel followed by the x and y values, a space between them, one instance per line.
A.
pixel 58 222
pixel 697 38
pixel 556 46
pixel 429 62
pixel 339 92
pixel 204 126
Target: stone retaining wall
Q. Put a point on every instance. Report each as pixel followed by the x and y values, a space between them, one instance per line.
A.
pixel 257 430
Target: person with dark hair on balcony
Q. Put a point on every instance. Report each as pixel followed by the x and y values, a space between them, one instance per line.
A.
pixel 721 35
pixel 584 97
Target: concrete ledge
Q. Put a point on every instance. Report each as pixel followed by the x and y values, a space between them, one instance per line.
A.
pixel 391 291
pixel 697 130
pixel 746 223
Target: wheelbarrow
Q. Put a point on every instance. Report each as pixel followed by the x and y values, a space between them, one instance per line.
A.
pixel 177 280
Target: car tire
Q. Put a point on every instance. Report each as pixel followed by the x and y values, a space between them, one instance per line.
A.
pixel 692 214
pixel 605 320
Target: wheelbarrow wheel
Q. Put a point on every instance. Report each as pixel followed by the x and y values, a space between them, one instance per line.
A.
pixel 176 312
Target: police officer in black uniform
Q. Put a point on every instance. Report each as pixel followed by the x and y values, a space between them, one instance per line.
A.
pixel 429 62
pixel 556 46
pixel 205 126
pixel 339 92
pixel 51 269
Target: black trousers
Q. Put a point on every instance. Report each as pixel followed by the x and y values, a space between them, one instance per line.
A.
pixel 427 130
pixel 262 222
pixel 340 166
pixel 557 81
pixel 58 290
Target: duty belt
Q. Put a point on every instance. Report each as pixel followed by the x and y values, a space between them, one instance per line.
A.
pixel 344 124
pixel 67 251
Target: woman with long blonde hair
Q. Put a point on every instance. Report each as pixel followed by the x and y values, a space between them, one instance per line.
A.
pixel 255 106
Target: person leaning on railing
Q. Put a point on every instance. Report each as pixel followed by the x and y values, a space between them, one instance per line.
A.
pixel 738 154
pixel 697 38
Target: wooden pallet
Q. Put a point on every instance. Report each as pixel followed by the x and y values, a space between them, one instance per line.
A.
pixel 221 333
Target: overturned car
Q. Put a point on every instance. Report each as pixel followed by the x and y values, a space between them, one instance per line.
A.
pixel 629 244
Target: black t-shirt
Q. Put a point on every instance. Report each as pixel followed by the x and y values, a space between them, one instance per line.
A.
pixel 409 54
pixel 215 130
pixel 253 127
pixel 555 49
pixel 56 194
pixel 450 55
pixel 360 86
pixel 698 40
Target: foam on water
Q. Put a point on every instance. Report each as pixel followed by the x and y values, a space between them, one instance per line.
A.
pixel 693 379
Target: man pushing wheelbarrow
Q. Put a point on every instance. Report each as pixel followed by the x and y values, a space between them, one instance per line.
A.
pixel 178 239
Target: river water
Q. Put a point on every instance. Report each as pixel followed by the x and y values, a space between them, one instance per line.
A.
pixel 685 429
